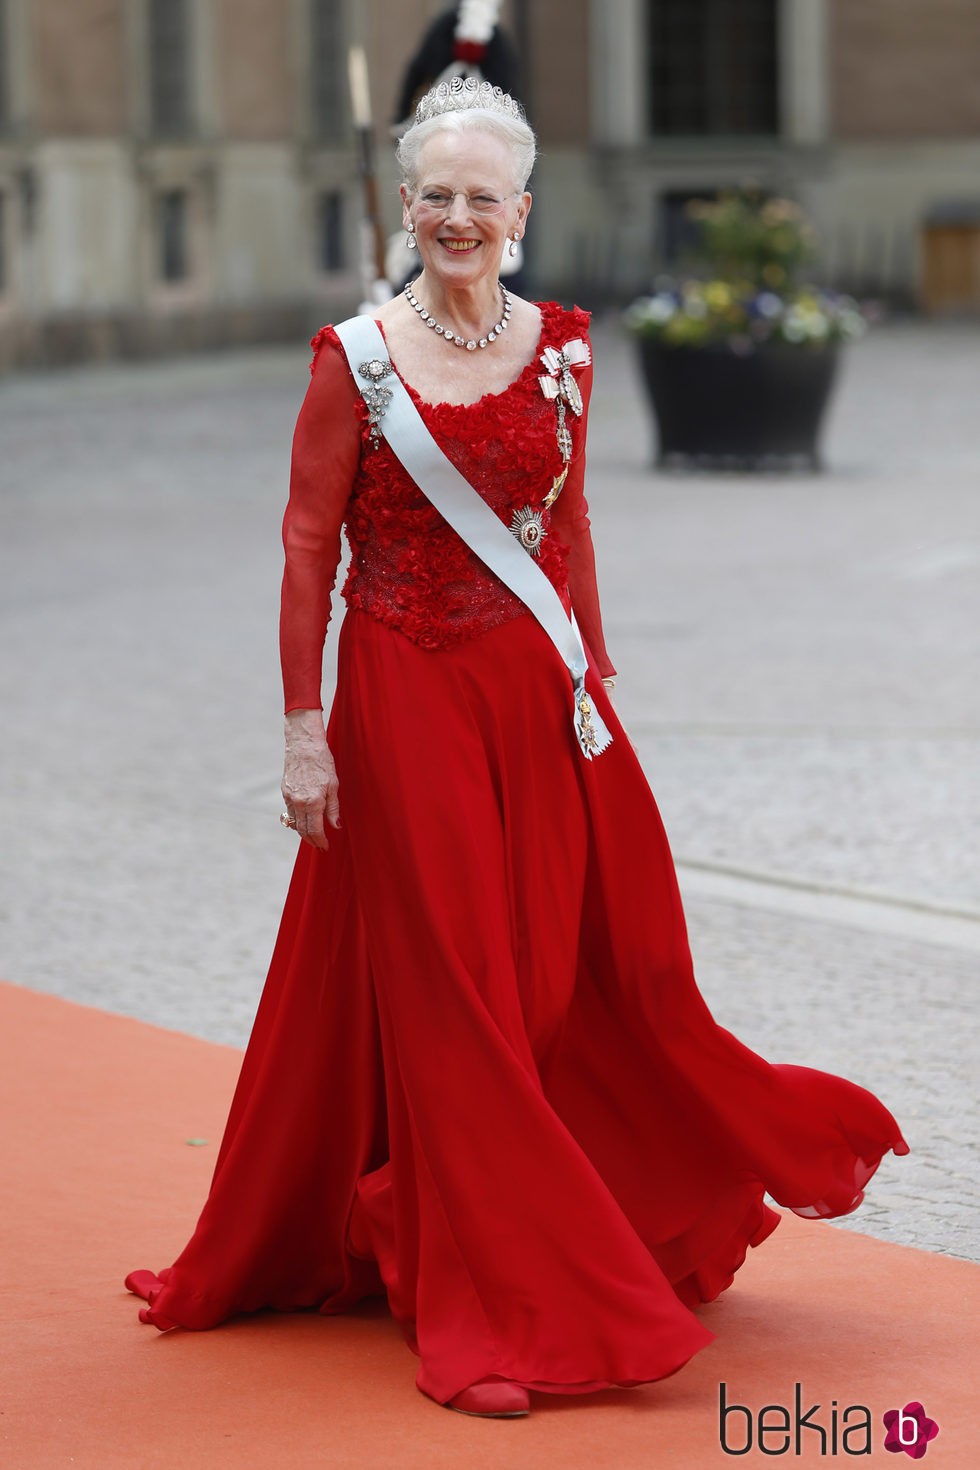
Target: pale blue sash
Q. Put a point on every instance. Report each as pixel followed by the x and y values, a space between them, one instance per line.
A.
pixel 394 415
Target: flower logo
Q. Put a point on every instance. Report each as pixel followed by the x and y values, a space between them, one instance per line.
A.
pixel 909 1429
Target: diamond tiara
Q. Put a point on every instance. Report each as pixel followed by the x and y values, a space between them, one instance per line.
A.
pixel 463 93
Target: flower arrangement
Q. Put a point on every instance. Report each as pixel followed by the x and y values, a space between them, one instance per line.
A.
pixel 756 249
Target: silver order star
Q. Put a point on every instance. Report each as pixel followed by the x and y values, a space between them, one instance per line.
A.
pixel 527 525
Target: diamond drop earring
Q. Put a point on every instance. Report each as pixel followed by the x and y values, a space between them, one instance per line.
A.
pixel 512 247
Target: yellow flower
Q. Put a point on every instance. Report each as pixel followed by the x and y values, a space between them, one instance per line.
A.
pixel 718 295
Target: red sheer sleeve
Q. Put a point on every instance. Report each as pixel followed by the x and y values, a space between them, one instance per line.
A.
pixel 326 451
pixel 570 520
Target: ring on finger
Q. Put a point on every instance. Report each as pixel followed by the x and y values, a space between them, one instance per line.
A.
pixel 287 819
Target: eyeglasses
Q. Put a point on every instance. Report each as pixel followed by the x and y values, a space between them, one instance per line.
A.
pixel 441 200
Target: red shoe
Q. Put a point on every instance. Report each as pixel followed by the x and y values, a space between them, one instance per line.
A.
pixel 490 1400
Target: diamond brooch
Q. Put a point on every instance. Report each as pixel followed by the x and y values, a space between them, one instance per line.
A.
pixel 376 396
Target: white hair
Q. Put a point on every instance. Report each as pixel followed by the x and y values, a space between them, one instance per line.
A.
pixel 512 130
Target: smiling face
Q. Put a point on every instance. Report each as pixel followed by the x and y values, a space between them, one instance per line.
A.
pixel 458 243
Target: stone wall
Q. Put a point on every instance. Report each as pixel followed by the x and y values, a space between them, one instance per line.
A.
pixel 905 69
pixel 891 126
pixel 77 60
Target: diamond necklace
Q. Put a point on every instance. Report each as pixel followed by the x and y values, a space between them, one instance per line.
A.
pixel 447 332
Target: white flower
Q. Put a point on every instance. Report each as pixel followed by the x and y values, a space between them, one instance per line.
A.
pixel 661 307
pixel 651 311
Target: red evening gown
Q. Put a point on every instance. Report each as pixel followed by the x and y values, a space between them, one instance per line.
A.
pixel 482 1079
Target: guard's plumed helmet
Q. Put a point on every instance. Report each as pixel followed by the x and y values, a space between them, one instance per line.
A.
pixel 464 41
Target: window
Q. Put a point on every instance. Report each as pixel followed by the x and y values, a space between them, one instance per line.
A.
pixel 328 77
pixel 331 255
pixel 713 67
pixel 169 67
pixel 172 235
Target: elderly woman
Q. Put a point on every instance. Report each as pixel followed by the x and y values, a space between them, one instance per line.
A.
pixel 482 1080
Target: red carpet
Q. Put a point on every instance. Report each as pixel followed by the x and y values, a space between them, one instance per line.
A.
pixel 98 1177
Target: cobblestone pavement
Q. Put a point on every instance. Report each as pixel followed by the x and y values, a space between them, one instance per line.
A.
pixel 798 669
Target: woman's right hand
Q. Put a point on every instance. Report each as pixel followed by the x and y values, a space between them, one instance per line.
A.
pixel 309 782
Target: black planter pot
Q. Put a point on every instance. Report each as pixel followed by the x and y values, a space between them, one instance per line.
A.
pixel 720 409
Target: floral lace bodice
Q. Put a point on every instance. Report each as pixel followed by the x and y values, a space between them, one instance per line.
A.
pixel 408 567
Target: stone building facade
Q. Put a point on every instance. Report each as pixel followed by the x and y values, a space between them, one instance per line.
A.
pixel 182 172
